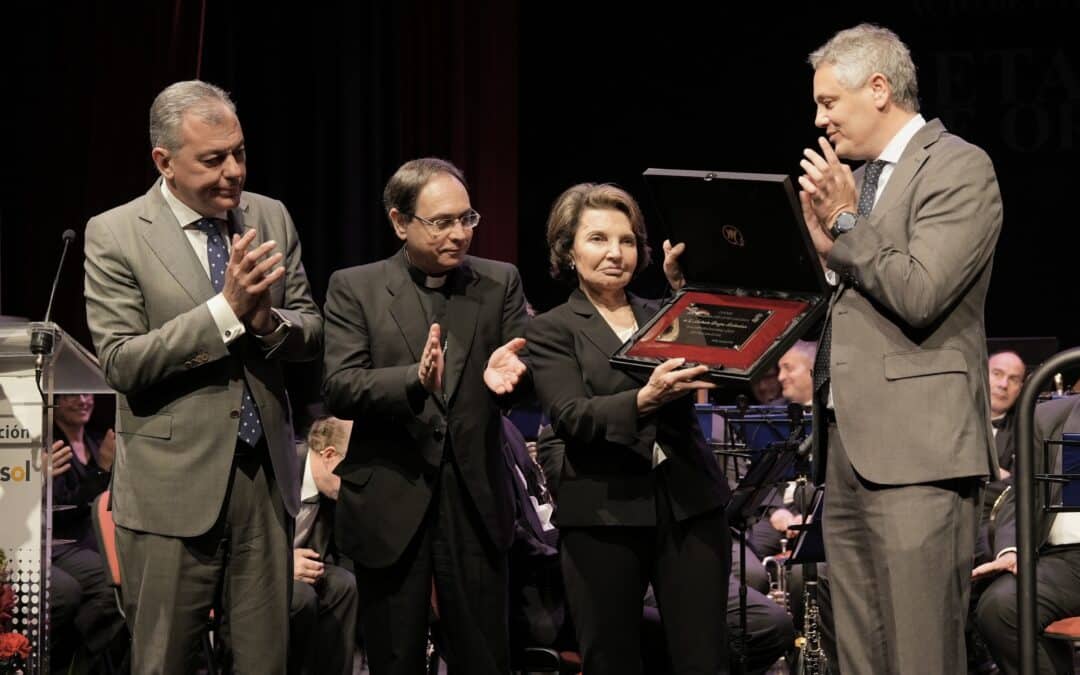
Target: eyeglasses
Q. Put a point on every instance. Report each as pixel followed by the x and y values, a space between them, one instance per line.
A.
pixel 469 220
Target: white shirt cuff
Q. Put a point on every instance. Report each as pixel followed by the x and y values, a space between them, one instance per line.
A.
pixel 832 277
pixel 1009 549
pixel 229 326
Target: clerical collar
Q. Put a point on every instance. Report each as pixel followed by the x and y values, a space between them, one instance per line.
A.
pixel 422 278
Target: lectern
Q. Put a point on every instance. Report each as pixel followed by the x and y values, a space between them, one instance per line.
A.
pixel 28 383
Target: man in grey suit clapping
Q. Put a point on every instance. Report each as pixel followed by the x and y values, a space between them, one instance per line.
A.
pixel 195 295
pixel 900 377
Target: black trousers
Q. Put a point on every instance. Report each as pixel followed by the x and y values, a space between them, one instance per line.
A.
pixel 242 567
pixel 322 623
pixel 1057 591
pixel 81 601
pixel 770 633
pixel 452 548
pixel 607 568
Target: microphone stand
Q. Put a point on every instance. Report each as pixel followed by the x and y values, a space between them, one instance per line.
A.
pixel 43 336
pixel 42 343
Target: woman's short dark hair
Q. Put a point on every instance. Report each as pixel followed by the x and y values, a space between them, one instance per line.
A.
pixel 565 217
pixel 409 180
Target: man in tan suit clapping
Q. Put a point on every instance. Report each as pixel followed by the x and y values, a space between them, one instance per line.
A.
pixel 195 295
pixel 900 379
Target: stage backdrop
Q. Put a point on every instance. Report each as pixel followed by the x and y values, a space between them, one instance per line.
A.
pixel 528 98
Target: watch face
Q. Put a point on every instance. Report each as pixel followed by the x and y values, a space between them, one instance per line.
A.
pixel 844 223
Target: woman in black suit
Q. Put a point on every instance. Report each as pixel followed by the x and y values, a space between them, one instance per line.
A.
pixel 641 497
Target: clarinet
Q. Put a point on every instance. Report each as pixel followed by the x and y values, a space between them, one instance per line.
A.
pixel 812 659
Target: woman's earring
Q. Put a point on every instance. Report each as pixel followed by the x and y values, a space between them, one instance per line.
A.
pixel 572 265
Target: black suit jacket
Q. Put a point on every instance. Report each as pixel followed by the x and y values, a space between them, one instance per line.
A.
pixel 376 329
pixel 77 489
pixel 321 537
pixel 1053 419
pixel 1005 444
pixel 607 476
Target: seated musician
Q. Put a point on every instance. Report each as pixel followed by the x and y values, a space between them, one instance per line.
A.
pixel 796 381
pixel 1007 372
pixel 1057 569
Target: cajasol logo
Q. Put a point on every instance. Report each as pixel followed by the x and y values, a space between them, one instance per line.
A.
pixel 15 442
pixel 16 474
pixel 12 433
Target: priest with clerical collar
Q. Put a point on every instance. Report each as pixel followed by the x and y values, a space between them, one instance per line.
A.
pixel 422 351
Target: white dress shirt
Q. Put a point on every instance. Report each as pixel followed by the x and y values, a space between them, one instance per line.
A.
pixel 890 155
pixel 229 326
pixel 309 506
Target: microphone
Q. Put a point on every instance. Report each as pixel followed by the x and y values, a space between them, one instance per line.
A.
pixel 41 339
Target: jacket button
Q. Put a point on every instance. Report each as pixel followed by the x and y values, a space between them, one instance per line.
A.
pixel 234 414
pixel 437 434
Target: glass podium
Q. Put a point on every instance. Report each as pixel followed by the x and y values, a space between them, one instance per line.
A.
pixel 28 383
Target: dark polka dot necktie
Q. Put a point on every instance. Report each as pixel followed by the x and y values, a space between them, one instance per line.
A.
pixel 217 255
pixel 871 175
pixel 869 186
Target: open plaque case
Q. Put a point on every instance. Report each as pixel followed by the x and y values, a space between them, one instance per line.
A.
pixel 754 282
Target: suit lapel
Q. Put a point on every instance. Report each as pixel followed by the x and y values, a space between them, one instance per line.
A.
pixel 594 328
pixel 643 309
pixel 460 320
pixel 240 223
pixel 597 331
pixel 405 308
pixel 322 530
pixel 914 156
pixel 1001 444
pixel 170 244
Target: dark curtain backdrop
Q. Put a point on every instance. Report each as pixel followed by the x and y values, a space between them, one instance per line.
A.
pixel 703 87
pixel 528 98
pixel 332 96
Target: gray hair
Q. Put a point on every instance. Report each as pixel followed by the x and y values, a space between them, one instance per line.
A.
pixel 806 348
pixel 409 180
pixel 859 52
pixel 194 96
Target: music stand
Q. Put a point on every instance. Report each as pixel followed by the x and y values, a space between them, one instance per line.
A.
pixel 749 498
pixel 758 485
pixel 748 430
pixel 809 545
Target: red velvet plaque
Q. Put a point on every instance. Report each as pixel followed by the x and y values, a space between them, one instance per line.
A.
pixel 717 330
pixel 755 281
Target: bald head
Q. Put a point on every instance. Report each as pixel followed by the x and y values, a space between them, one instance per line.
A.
pixel 1007 372
pixel 797 372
